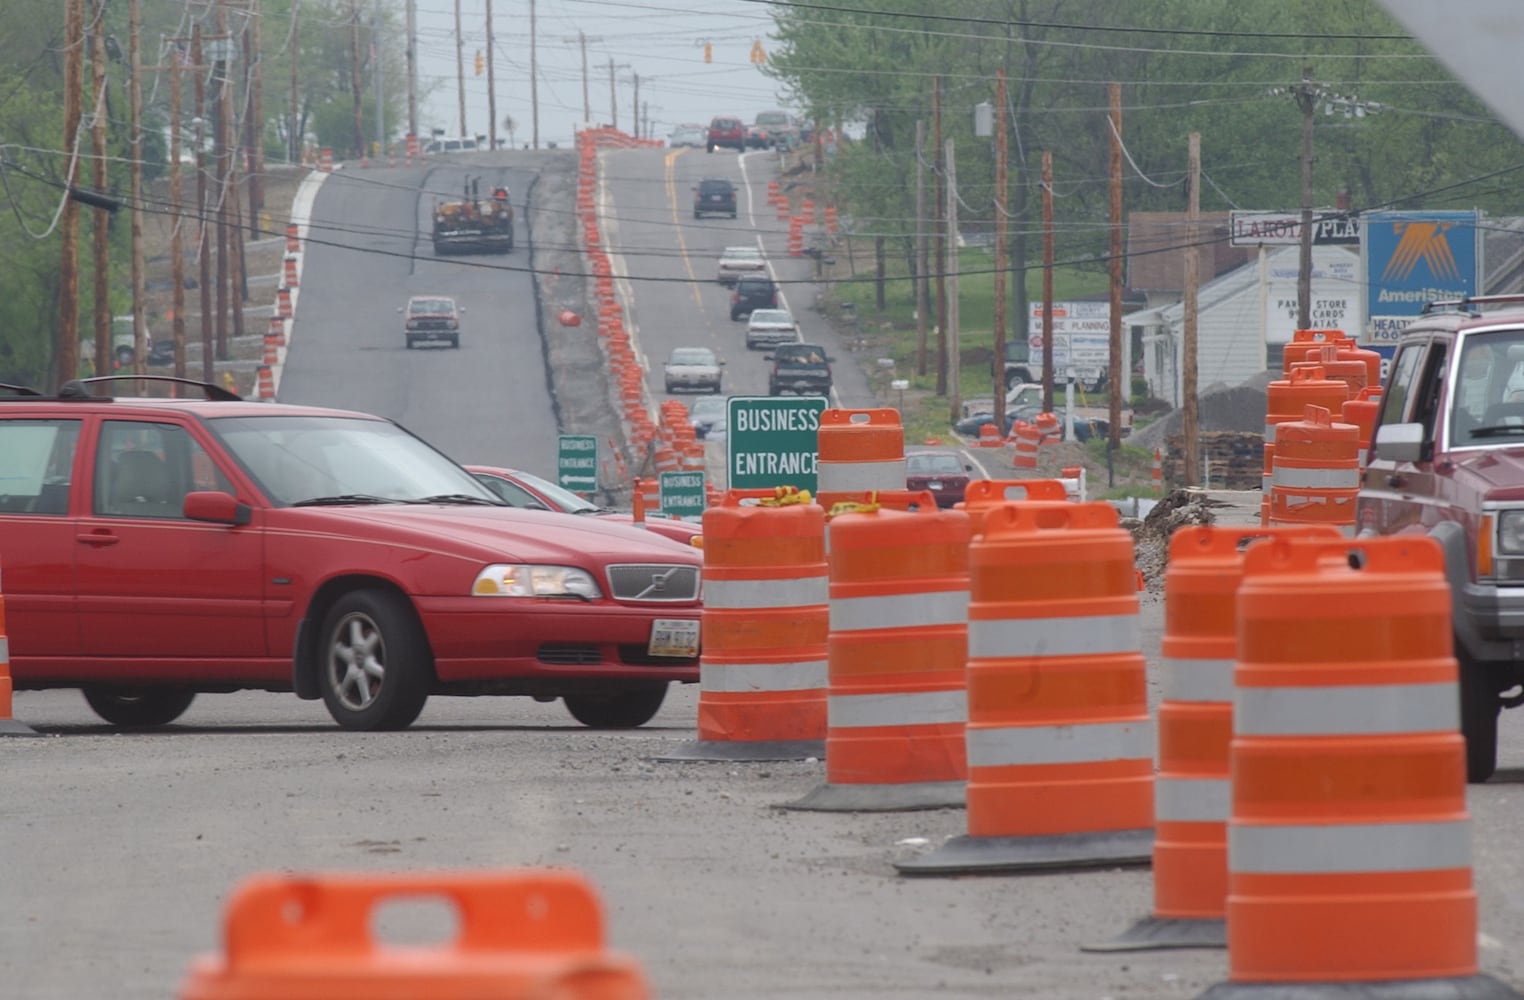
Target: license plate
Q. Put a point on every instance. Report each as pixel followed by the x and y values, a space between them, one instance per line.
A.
pixel 674 637
pixel 934 485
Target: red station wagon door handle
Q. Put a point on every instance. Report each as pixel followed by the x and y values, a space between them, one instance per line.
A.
pixel 99 538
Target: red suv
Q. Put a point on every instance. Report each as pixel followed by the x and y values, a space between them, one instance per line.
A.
pixel 728 132
pixel 157 548
pixel 1447 462
pixel 431 319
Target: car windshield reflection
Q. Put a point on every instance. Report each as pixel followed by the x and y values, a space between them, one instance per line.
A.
pixel 324 460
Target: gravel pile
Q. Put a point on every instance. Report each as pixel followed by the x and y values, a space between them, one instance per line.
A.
pixel 1219 408
pixel 1151 534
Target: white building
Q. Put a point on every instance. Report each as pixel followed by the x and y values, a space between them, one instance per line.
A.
pixel 1244 316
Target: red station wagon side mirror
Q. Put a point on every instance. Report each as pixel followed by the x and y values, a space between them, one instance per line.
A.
pixel 217 507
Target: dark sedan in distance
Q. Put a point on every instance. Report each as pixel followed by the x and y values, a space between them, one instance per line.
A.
pixel 941 473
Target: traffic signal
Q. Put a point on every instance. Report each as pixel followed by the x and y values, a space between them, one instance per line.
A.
pixel 758 54
pixel 708 53
pixel 480 62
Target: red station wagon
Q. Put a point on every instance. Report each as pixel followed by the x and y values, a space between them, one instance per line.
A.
pixel 157 548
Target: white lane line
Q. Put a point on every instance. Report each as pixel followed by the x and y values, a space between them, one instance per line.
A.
pixel 772 273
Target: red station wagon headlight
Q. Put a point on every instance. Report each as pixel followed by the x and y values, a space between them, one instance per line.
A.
pixel 503 580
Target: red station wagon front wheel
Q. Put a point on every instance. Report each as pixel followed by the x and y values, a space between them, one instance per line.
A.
pixel 375 670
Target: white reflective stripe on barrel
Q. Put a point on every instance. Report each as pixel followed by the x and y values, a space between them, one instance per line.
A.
pixel 1348 848
pixel 1088 636
pixel 734 678
pixel 853 477
pixel 937 607
pixel 1087 743
pixel 1346 711
pixel 1192 800
pixel 1196 680
pixel 800 592
pixel 922 708
pixel 1301 478
pixel 5 650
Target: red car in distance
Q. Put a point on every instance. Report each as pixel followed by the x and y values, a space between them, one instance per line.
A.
pixel 524 489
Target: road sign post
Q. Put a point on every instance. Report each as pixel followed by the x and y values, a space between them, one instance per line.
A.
pixel 772 441
pixel 577 462
pixel 682 495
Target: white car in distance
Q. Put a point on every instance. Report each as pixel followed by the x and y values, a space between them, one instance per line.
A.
pixel 769 327
pixel 693 368
pixel 736 261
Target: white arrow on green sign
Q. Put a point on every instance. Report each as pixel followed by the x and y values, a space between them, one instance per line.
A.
pixel 682 495
pixel 772 441
pixel 577 462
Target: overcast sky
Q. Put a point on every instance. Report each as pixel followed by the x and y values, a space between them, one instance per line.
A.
pixel 663 42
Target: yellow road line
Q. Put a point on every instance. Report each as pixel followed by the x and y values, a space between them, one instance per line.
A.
pixel 677 226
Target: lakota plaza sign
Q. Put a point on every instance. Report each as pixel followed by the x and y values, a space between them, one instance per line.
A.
pixel 772 441
pixel 1329 228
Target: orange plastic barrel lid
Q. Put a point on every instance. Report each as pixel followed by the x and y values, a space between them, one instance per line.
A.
pixel 522 934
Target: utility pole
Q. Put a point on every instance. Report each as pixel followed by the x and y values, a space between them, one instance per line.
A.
pixel 936 227
pixel 460 71
pixel 294 129
pixel 203 242
pixel 1114 370
pixel 582 40
pixel 221 131
pixel 534 77
pixel 1047 282
pixel 954 349
pixel 379 77
pixel 238 276
pixel 254 129
pixel 635 106
pixel 412 68
pixel 105 355
pixel 922 296
pixel 354 74
pixel 491 85
pixel 1306 99
pixel 135 170
pixel 613 97
pixel 176 201
pixel 998 372
pixel 68 227
pixel 1188 346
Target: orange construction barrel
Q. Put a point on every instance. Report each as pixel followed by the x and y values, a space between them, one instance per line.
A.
pixel 1317 472
pixel 762 669
pixel 897 650
pixel 1060 744
pixel 859 450
pixel 1349 846
pixel 983 495
pixel 1287 399
pixel 1191 789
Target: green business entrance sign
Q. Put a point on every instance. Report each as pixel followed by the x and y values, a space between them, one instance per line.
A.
pixel 682 495
pixel 772 441
pixel 577 462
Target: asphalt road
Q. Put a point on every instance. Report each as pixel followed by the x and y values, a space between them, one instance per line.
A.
pixel 487 403
pixel 670 259
pixel 117 851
